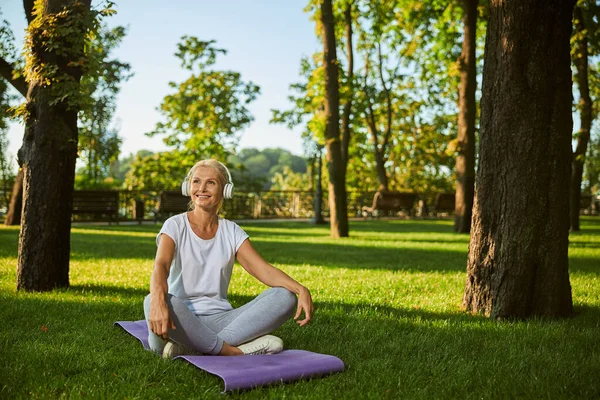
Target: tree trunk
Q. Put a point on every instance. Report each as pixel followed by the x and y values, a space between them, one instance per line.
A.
pixel 319 192
pixel 380 167
pixel 13 217
pixel 338 209
pixel 47 157
pixel 348 105
pixel 517 265
pixel 465 162
pixel 580 59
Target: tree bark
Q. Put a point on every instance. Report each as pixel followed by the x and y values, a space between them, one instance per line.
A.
pixel 13 217
pixel 47 157
pixel 517 265
pixel 580 59
pixel 465 162
pixel 338 209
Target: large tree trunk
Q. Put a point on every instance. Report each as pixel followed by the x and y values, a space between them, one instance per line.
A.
pixel 580 59
pixel 47 157
pixel 517 265
pixel 465 162
pixel 338 209
pixel 13 217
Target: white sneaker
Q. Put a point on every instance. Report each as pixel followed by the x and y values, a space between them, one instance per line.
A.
pixel 172 350
pixel 267 344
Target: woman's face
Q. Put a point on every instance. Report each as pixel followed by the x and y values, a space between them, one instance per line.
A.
pixel 206 190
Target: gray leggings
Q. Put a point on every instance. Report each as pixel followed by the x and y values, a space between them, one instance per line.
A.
pixel 206 333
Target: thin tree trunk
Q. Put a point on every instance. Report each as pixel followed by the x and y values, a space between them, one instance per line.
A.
pixel 380 167
pixel 47 157
pixel 580 59
pixel 338 209
pixel 517 265
pixel 465 162
pixel 348 105
pixel 13 217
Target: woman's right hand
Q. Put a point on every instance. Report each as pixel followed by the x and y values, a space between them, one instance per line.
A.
pixel 160 320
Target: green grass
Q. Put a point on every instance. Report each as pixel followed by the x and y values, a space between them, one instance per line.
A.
pixel 387 303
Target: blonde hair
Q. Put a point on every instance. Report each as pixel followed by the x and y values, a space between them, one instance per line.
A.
pixel 222 177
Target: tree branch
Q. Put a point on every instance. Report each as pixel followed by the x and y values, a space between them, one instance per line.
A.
pixel 6 71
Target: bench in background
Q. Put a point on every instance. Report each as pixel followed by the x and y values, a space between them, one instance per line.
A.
pixel 169 203
pixel 444 203
pixel 97 202
pixel 390 202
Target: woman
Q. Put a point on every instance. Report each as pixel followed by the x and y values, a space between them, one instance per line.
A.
pixel 187 308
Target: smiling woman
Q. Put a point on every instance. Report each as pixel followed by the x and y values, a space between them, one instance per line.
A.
pixel 203 179
pixel 187 309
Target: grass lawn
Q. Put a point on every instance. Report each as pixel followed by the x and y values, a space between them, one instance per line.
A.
pixel 387 303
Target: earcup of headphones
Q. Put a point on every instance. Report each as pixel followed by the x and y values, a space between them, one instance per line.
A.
pixel 228 191
pixel 185 188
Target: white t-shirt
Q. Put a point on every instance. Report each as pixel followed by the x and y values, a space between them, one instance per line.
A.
pixel 201 269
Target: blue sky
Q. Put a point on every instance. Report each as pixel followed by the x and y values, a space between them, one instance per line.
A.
pixel 265 40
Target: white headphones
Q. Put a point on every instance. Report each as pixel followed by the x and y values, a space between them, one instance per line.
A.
pixel 227 189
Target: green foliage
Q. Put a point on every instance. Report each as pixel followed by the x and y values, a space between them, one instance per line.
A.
pixel 55 46
pixel 99 143
pixel 159 171
pixel 251 169
pixel 287 179
pixel 254 169
pixel 406 55
pixel 208 109
pixel 389 296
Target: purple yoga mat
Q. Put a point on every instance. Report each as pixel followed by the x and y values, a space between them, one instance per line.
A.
pixel 252 371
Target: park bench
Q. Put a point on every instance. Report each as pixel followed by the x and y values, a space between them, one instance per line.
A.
pixel 390 202
pixel 170 202
pixel 585 203
pixel 97 202
pixel 444 203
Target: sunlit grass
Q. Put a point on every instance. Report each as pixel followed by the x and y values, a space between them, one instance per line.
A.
pixel 388 304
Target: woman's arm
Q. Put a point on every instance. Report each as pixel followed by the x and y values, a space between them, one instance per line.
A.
pixel 271 276
pixel 160 321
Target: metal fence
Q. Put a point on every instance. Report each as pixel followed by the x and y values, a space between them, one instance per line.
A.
pixel 246 205
pixel 142 206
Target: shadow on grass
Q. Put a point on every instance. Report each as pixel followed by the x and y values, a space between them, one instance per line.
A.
pixel 367 257
pixel 105 290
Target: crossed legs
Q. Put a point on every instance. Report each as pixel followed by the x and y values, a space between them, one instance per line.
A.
pixel 210 334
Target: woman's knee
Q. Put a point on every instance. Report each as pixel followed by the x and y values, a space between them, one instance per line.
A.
pixel 285 297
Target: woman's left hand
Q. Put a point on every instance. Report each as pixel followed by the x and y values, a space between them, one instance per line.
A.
pixel 305 304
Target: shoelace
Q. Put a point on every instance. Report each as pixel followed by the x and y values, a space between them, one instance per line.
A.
pixel 258 351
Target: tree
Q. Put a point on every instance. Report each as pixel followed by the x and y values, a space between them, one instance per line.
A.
pixel 517 265
pixel 583 48
pixel 338 209
pixel 208 110
pixel 55 61
pixel 465 161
